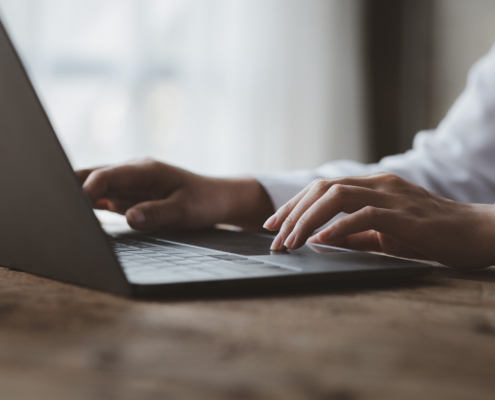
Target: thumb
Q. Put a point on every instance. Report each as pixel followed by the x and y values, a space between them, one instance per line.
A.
pixel 155 214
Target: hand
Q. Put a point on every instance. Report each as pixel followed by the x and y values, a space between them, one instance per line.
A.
pixel 390 215
pixel 152 195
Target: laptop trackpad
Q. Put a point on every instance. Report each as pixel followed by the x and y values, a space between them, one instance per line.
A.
pixel 338 261
pixel 241 243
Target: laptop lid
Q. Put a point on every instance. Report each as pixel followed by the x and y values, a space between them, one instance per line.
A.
pixel 47 226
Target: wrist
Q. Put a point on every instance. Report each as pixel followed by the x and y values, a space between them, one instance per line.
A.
pixel 243 202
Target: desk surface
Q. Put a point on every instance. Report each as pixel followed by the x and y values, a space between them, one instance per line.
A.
pixel 432 339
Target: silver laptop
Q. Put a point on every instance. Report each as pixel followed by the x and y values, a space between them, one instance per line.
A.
pixel 47 226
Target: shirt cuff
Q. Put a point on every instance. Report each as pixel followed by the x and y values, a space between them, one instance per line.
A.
pixel 283 186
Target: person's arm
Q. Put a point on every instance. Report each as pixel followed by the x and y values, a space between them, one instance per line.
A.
pixel 152 195
pixel 456 161
pixel 393 215
pixel 390 215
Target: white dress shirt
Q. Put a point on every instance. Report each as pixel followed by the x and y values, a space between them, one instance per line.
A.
pixel 456 160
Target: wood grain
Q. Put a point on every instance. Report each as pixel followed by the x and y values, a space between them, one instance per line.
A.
pixel 433 338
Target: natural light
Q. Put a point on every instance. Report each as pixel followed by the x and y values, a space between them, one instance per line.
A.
pixel 217 86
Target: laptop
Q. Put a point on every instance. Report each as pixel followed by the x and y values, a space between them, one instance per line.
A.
pixel 48 227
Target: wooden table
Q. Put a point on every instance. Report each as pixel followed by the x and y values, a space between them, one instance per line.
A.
pixel 433 338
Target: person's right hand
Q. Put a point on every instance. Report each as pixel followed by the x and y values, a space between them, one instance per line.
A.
pixel 152 195
pixel 390 215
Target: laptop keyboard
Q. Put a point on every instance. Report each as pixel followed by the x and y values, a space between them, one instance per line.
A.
pixel 148 261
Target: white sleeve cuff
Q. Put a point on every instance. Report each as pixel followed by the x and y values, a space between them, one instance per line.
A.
pixel 283 186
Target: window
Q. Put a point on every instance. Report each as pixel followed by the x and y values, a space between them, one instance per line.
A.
pixel 216 86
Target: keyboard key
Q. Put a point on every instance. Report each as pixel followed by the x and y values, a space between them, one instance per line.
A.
pixel 163 255
pixel 163 249
pixel 187 255
pixel 202 260
pixel 248 262
pixel 173 258
pixel 228 257
pixel 147 261
pixel 184 262
pixel 166 265
pixel 129 257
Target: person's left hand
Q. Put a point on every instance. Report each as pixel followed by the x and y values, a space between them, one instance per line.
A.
pixel 390 215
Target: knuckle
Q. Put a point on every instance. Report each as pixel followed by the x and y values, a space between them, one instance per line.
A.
pixel 392 179
pixel 98 175
pixel 422 192
pixel 338 190
pixel 151 165
pixel 83 172
pixel 287 208
pixel 289 222
pixel 320 184
pixel 414 210
pixel 371 212
pixel 304 220
pixel 376 175
pixel 340 224
pixel 147 162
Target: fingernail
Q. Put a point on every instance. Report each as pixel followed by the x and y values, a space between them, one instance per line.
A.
pixel 270 222
pixel 290 240
pixel 277 243
pixel 136 216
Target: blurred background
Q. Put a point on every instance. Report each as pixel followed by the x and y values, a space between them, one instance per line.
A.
pixel 238 86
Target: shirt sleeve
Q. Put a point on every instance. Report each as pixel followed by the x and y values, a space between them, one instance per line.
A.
pixel 456 160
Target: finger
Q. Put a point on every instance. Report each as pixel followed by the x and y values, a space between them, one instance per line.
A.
pixel 375 242
pixel 288 222
pixel 368 218
pixel 83 174
pixel 128 179
pixel 320 186
pixel 101 204
pixel 338 199
pixel 155 214
pixel 363 241
pixel 119 206
pixel 300 202
pixel 275 221
pixel 102 182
